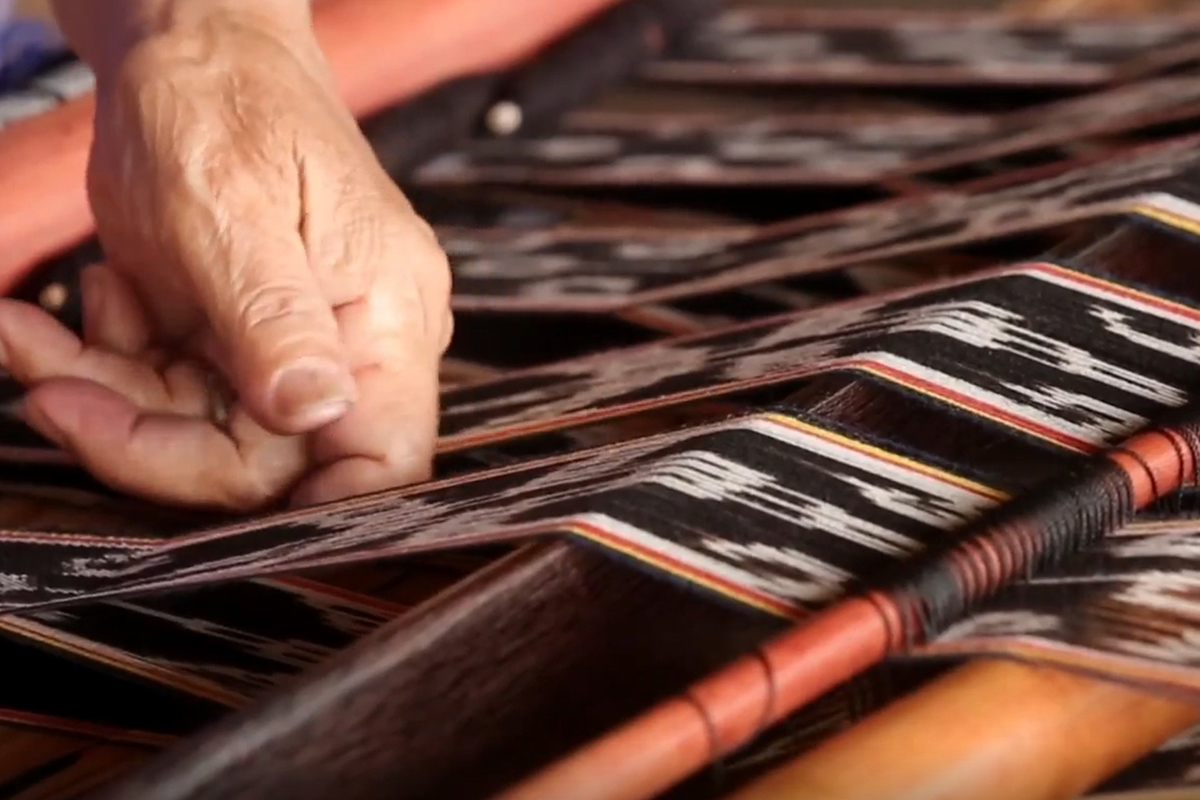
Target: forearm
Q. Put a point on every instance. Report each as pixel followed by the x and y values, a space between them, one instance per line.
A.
pixel 102 32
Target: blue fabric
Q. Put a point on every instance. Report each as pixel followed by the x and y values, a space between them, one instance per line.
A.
pixel 26 47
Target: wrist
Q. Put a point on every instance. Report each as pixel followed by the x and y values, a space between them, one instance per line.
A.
pixel 106 34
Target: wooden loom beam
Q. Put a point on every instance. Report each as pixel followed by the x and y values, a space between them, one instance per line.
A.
pixel 1083 9
pixel 1047 735
pixel 1086 706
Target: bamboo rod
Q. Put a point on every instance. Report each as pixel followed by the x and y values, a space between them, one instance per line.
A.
pixel 1090 9
pixel 990 730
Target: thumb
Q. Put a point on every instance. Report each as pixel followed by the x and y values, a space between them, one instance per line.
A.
pixel 278 335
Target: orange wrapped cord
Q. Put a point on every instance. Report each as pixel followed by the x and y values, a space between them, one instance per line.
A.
pixel 991 730
pixel 381 51
pixel 727 710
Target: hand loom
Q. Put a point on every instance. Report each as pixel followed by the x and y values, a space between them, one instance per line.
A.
pixel 820 422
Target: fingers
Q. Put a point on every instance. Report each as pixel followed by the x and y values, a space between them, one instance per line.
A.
pixel 391 334
pixel 133 427
pixel 276 328
pixel 325 298
pixel 388 437
pixel 286 350
pixel 386 440
pixel 35 347
pixel 169 458
pixel 113 318
pixel 229 207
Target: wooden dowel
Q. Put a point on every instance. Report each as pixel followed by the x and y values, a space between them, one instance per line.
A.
pixel 1052 10
pixel 381 52
pixel 990 730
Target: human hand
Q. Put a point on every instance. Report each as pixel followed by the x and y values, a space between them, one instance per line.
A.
pixel 251 236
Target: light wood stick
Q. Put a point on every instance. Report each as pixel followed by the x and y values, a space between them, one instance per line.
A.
pixel 990 730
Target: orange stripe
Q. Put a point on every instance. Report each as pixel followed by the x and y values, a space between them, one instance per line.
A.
pixel 678 568
pixel 85 729
pixel 94 651
pixel 1124 291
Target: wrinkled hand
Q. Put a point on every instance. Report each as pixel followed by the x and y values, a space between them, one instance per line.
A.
pixel 250 235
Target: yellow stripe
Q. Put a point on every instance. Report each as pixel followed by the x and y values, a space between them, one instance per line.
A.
pixel 1167 218
pixel 884 455
pixel 764 603
pixel 777 608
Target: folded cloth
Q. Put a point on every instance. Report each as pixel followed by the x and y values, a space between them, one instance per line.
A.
pixel 27 46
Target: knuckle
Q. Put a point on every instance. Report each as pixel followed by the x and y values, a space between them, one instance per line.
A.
pixel 249 489
pixel 268 303
pixel 436 276
pixel 409 458
pixel 349 251
pixel 424 229
pixel 144 63
pixel 247 494
pixel 447 332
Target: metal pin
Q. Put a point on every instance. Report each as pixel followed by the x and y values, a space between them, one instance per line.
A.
pixel 504 118
pixel 53 297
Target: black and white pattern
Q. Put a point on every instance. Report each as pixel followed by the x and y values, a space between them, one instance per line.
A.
pixel 1005 340
pixel 766 46
pixel 1075 359
pixel 790 479
pixel 602 274
pixel 769 509
pixel 766 150
pixel 745 154
pixel 776 511
pixel 1135 597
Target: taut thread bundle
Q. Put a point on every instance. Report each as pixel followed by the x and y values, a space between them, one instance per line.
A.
pixel 729 709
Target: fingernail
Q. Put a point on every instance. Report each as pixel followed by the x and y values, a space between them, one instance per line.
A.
pixel 311 393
